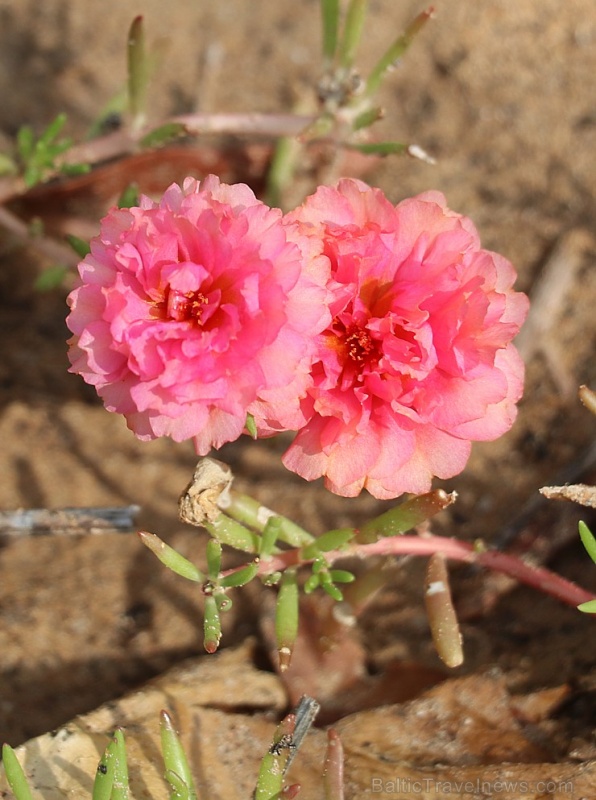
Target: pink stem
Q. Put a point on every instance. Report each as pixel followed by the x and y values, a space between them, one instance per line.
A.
pixel 538 577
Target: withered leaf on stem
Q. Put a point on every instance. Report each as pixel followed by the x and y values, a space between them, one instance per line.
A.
pixel 577 493
pixel 199 501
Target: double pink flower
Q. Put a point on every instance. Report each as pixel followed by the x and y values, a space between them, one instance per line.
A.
pixel 381 334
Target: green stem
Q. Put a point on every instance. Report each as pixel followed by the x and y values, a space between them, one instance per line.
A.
pixel 281 171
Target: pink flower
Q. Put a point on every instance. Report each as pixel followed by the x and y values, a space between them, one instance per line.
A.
pixel 417 361
pixel 194 310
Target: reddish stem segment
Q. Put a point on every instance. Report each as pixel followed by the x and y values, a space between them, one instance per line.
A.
pixel 537 577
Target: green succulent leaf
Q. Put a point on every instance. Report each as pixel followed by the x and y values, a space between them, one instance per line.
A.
pixel 334 540
pixel 227 531
pixel 341 576
pixel 164 134
pixel 129 197
pixel 120 789
pixel 212 625
pixel 378 148
pixel 241 577
pixel 39 156
pixel 72 170
pixel 80 246
pixel 319 565
pixel 250 512
pixel 180 790
pixel 271 533
pixel 177 771
pixel 286 616
pixel 589 607
pixel 32 175
pixel 404 517
pixel 273 579
pixel 395 51
pixel 330 17
pixel 251 426
pixel 25 142
pixel 271 777
pixel 324 578
pixel 274 764
pixel 367 118
pixel 8 165
pixel 588 540
pixel 171 558
pixel 138 72
pixel 51 132
pixel 352 33
pixel 213 559
pixel 15 774
pixel 104 776
pixel 332 591
pixel 222 601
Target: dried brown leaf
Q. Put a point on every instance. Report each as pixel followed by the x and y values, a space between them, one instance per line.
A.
pixel 577 493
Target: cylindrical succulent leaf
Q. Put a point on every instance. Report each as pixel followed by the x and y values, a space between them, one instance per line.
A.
pixel 441 613
pixel 212 625
pixel 286 617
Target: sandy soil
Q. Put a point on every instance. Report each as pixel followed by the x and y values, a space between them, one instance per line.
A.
pixel 499 93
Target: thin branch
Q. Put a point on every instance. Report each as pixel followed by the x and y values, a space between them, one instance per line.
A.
pixel 537 577
pixel 274 125
pixel 124 142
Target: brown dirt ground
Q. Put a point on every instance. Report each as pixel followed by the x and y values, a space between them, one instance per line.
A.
pixel 500 93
